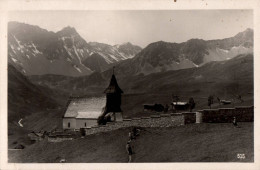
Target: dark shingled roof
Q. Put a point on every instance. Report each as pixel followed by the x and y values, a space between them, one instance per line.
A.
pixel 113 86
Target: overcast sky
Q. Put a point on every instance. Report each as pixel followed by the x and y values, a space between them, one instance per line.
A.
pixel 142 27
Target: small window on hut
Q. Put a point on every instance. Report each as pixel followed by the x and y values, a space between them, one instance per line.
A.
pixel 69 124
pixel 85 124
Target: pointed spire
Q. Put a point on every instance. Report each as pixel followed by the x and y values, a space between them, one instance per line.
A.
pixel 113 86
pixel 114 70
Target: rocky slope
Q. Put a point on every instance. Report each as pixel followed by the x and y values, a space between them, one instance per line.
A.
pixel 36 51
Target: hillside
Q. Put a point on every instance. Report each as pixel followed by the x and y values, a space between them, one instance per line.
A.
pixel 209 76
pixel 24 98
pixel 188 143
pixel 223 79
pixel 33 105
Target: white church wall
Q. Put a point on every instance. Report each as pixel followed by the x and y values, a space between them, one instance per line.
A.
pixel 84 123
pixel 69 123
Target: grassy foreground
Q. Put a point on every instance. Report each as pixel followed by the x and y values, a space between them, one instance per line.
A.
pixel 190 143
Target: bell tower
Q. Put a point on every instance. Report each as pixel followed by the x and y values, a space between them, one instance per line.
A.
pixel 113 98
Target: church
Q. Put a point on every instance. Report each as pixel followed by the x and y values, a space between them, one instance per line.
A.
pixel 83 112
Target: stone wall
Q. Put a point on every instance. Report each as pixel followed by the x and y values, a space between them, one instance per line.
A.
pixel 189 117
pixel 225 115
pixel 58 139
pixel 163 120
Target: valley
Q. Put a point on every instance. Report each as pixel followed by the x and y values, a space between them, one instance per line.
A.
pixel 45 68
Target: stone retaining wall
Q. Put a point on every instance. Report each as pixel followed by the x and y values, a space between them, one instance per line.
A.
pixel 163 120
pixel 58 139
pixel 222 115
pixel 225 115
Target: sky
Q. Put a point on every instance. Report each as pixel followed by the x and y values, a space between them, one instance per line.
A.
pixel 142 27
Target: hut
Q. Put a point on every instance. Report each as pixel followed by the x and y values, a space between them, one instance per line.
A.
pixel 180 105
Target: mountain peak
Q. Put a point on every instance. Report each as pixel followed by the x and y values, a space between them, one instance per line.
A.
pixel 249 30
pixel 126 43
pixel 246 35
pixel 68 31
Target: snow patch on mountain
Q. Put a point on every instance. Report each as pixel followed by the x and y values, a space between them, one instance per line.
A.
pixel 221 50
pixel 14 60
pixel 218 54
pixel 18 43
pixel 35 50
pixel 105 57
pixel 112 56
pixel 76 67
pixel 125 57
pixel 67 50
pixel 77 54
pixel 68 59
pixel 81 51
pixel 12 47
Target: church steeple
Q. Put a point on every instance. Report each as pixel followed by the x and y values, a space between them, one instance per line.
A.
pixel 113 95
pixel 113 86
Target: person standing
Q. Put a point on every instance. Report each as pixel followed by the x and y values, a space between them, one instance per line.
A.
pixel 235 122
pixel 129 151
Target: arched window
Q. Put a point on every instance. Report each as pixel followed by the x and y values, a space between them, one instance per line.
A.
pixel 69 125
pixel 85 124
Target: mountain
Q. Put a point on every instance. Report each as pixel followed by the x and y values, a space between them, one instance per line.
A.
pixel 36 51
pixel 216 76
pixel 224 79
pixel 219 77
pixel 117 52
pixel 105 56
pixel 164 56
pixel 128 49
pixel 25 98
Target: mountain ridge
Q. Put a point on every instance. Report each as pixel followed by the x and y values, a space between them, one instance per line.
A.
pixel 163 56
pixel 67 53
pixel 33 50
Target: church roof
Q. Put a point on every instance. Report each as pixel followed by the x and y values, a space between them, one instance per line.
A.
pixel 113 86
pixel 85 108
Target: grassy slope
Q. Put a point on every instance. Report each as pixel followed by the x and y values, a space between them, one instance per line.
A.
pixel 39 107
pixel 190 143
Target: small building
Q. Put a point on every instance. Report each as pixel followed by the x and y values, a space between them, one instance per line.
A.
pixel 180 105
pixel 83 112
